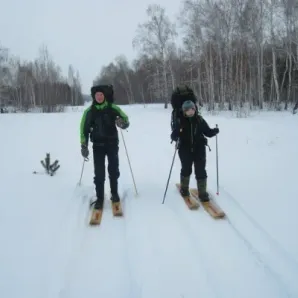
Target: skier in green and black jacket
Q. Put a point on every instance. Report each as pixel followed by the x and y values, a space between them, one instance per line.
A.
pixel 99 121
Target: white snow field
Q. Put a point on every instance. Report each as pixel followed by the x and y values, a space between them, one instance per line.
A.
pixel 156 250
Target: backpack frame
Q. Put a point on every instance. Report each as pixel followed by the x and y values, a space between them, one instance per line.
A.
pixel 179 96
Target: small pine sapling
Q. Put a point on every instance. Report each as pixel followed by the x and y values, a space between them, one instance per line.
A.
pixel 50 168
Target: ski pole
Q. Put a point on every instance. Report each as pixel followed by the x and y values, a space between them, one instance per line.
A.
pixel 85 159
pixel 164 197
pixel 217 163
pixel 129 163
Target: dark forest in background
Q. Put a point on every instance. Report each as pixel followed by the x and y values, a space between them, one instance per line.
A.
pixel 37 84
pixel 235 53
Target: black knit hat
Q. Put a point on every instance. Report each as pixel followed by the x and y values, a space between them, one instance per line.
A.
pixel 98 88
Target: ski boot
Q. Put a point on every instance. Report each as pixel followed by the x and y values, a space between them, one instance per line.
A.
pixel 202 190
pixel 100 195
pixel 98 204
pixel 184 186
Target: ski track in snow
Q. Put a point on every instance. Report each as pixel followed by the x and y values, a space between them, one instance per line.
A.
pixel 68 241
pixel 213 241
pixel 278 263
pixel 192 234
pixel 190 248
pixel 98 263
pixel 173 264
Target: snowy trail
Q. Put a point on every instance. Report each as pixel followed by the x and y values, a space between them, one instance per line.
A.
pixel 223 250
pixel 68 240
pixel 271 255
pixel 148 259
pixel 163 258
pixel 98 266
pixel 138 257
pixel 133 256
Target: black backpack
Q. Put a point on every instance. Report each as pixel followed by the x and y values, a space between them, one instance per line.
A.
pixel 179 96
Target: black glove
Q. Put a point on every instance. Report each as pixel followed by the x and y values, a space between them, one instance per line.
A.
pixel 215 131
pixel 174 136
pixel 121 123
pixel 84 150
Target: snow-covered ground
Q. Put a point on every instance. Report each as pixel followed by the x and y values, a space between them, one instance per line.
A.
pixel 156 250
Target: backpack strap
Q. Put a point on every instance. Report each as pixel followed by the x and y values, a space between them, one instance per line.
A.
pixel 175 118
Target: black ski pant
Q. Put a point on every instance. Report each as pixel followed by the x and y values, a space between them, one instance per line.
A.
pixel 196 158
pixel 99 154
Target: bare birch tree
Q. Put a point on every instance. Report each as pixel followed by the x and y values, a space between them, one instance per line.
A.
pixel 154 37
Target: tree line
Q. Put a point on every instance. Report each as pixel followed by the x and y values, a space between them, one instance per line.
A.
pixel 235 54
pixel 37 85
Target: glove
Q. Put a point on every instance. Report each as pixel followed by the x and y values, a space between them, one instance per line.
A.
pixel 121 123
pixel 174 136
pixel 84 150
pixel 215 131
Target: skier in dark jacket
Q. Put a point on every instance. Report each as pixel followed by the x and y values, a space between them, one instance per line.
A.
pixel 100 121
pixel 189 130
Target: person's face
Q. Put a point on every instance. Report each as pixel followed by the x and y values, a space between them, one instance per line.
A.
pixel 99 97
pixel 190 112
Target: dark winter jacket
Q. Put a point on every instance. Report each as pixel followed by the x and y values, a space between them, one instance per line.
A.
pixel 191 132
pixel 99 121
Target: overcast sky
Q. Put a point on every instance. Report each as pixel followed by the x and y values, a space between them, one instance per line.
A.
pixel 85 33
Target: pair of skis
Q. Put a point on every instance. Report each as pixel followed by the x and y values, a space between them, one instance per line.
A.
pixel 96 214
pixel 210 207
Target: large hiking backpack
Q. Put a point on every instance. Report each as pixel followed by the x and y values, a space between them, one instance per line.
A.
pixel 179 96
pixel 107 90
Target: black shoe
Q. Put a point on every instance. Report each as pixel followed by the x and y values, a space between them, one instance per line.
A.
pixel 115 198
pixel 98 204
